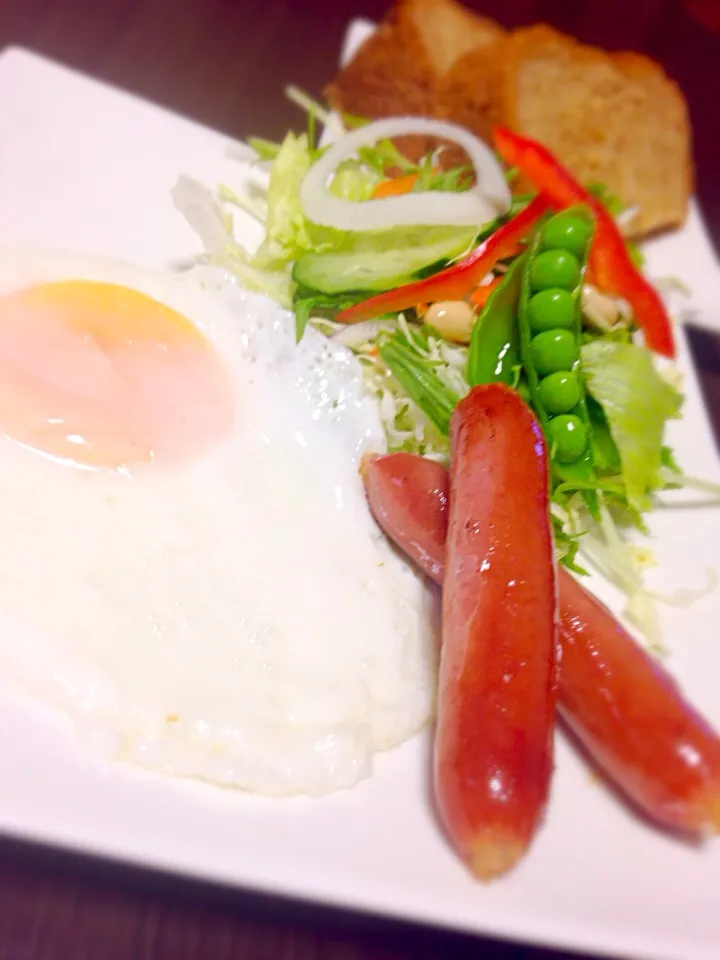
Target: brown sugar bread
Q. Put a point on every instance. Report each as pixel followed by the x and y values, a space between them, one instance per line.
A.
pixel 613 118
pixel 467 48
pixel 448 31
pixel 468 95
pixel 390 74
pixel 400 68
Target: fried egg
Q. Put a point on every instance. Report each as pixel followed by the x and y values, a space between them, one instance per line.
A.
pixel 188 567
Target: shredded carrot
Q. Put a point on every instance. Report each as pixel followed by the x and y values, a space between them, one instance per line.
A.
pixel 421 309
pixel 395 186
pixel 480 296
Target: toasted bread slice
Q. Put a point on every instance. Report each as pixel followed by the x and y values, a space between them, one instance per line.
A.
pixel 391 74
pixel 467 95
pixel 400 68
pixel 613 118
pixel 447 30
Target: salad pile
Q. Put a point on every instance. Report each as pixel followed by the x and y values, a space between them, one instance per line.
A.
pixel 439 280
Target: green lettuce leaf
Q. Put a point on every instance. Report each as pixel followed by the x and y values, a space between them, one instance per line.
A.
pixel 214 226
pixel 636 402
pixel 310 303
pixel 287 235
pixel 612 203
pixel 265 149
pixel 354 181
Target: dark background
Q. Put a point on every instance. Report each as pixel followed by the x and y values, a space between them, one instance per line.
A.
pixel 225 63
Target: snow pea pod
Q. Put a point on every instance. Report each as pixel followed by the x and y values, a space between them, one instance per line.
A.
pixel 495 343
pixel 550 326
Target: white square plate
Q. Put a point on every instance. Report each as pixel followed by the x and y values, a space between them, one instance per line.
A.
pixel 86 167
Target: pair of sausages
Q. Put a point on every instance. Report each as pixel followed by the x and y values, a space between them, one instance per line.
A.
pixel 520 638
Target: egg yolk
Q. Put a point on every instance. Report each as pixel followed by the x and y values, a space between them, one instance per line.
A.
pixel 105 376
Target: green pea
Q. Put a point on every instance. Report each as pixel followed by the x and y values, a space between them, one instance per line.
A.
pixel 554 268
pixel 567 232
pixel 553 350
pixel 560 391
pixel 550 309
pixel 568 437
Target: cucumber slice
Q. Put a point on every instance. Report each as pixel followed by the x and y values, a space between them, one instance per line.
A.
pixel 381 261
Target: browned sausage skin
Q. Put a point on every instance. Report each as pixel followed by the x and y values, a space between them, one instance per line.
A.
pixel 618 701
pixel 496 690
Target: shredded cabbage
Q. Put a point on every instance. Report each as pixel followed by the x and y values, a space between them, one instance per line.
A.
pixel 214 227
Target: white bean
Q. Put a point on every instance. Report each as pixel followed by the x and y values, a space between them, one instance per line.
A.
pixel 602 311
pixel 453 319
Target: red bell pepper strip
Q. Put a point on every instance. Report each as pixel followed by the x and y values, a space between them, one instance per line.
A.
pixel 612 268
pixel 456 281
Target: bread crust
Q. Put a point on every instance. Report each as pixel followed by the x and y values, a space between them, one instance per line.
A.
pixel 409 66
pixel 629 119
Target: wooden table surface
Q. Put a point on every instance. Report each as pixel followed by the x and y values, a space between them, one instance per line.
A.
pixel 225 62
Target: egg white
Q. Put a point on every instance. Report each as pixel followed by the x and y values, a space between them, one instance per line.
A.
pixel 240 618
